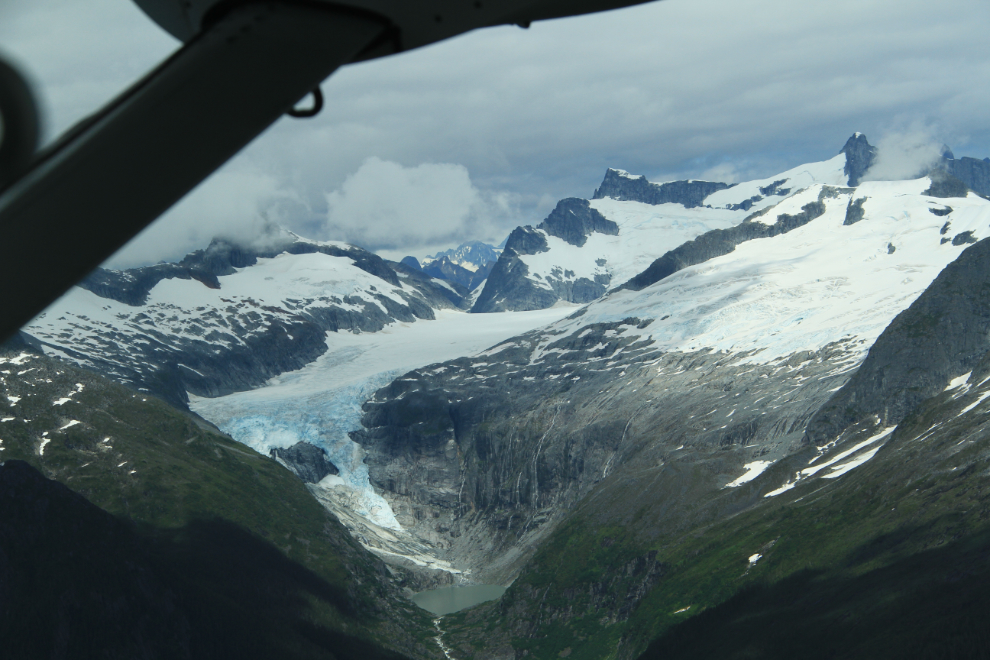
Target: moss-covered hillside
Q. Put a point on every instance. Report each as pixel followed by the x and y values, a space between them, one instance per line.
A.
pixel 209 549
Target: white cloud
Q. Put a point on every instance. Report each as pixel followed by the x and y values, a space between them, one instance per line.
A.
pixel 724 172
pixel 386 206
pixel 232 203
pixel 679 86
pixel 905 154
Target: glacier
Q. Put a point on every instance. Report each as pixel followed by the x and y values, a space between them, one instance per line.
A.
pixel 321 403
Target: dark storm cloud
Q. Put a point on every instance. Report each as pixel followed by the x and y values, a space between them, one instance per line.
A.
pixel 496 125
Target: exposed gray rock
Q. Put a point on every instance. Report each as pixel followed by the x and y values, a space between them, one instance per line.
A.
pixel 435 294
pixel 637 189
pixel 573 220
pixel 412 262
pixel 963 237
pixel 306 461
pixel 509 286
pixel 945 185
pixel 973 172
pixel 943 334
pixel 482 457
pixel 941 212
pixel 444 269
pixel 860 155
pixel 854 212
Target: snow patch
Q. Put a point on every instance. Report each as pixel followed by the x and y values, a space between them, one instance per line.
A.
pixel 753 470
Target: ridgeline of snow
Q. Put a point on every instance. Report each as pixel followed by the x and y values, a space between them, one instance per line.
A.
pixel 470 256
pixel 646 231
pixel 817 284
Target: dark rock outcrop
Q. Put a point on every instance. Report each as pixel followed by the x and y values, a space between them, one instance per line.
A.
pixel 973 172
pixel 944 185
pixel 690 194
pixel 306 461
pixel 573 220
pixel 854 212
pixel 509 286
pixel 719 242
pixel 944 333
pixel 444 269
pixel 412 262
pixel 860 155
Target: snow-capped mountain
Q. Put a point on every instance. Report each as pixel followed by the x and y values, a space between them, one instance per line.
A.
pixel 718 356
pixel 469 256
pixel 585 248
pixel 467 265
pixel 748 366
pixel 229 317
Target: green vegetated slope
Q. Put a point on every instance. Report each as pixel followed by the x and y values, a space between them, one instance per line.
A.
pixel 176 542
pixel 889 558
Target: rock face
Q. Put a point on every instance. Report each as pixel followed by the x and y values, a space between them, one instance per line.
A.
pixel 945 332
pixel 855 212
pixel 445 269
pixel 973 172
pixel 573 220
pixel 412 262
pixel 306 461
pixel 860 155
pixel 945 185
pixel 484 459
pixel 622 186
pixel 228 318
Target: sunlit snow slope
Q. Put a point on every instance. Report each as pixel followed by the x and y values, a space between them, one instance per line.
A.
pixel 816 284
pixel 561 259
pixel 229 318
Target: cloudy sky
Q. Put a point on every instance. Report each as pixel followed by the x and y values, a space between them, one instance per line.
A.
pixel 468 138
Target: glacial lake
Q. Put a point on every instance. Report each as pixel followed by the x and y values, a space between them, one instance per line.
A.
pixel 448 600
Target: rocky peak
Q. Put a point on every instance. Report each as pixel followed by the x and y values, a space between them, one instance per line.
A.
pixel 573 220
pixel 412 262
pixel 622 186
pixel 860 155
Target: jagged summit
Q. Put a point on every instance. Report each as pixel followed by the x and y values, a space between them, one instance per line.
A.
pixel 470 256
pixel 620 185
pixel 860 155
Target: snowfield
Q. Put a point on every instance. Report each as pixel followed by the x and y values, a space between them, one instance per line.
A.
pixel 817 284
pixel 646 231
